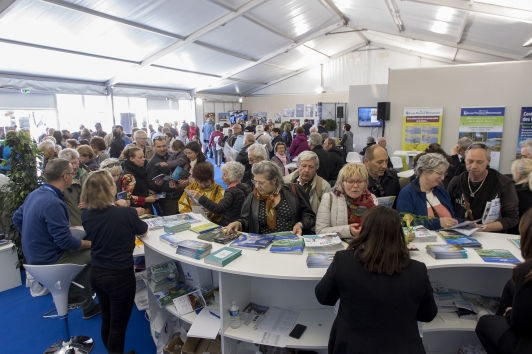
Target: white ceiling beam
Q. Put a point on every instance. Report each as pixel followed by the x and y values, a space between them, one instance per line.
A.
pixel 5 4
pixel 394 12
pixel 462 29
pixel 225 51
pixel 307 37
pixel 452 44
pixel 317 51
pixel 190 39
pixel 331 7
pixel 276 66
pixel 55 49
pixel 527 55
pixel 47 78
pixel 112 18
pixel 252 19
pixel 482 8
pixel 416 53
pixel 349 50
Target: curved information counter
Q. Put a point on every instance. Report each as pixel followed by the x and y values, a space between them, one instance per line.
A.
pixel 283 280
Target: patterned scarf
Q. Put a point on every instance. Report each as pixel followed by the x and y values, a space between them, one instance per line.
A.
pixel 356 207
pixel 271 214
pixel 283 160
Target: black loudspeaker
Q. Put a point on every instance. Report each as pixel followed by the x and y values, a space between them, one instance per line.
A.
pixel 340 112
pixel 383 111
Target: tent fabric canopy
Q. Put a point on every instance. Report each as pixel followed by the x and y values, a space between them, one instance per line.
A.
pixel 182 48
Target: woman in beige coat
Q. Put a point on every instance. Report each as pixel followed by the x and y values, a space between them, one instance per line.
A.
pixel 342 208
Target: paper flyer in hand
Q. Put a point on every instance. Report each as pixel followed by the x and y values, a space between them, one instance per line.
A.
pixel 192 198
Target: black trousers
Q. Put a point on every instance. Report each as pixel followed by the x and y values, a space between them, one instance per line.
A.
pixel 495 334
pixel 116 295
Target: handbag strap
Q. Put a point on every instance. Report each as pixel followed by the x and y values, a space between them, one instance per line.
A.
pixel 469 212
pixel 419 190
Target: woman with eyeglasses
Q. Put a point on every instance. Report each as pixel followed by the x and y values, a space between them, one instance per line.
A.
pixel 274 206
pixel 383 293
pixel 134 180
pixel 112 233
pixel 341 209
pixel 425 196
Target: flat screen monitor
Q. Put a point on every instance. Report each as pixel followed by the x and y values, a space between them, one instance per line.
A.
pixel 367 117
pixel 234 115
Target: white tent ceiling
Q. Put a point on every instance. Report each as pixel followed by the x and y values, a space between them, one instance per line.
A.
pixel 237 47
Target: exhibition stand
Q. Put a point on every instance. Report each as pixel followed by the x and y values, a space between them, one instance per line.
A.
pixel 284 281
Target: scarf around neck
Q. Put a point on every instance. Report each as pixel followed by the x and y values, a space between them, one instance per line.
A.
pixel 271 214
pixel 136 171
pixel 284 160
pixel 356 207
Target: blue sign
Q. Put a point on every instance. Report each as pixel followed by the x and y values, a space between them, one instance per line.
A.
pixel 525 127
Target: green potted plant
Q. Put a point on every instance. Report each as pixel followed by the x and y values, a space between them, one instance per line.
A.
pixel 24 159
pixel 330 125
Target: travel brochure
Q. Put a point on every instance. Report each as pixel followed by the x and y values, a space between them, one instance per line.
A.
pixel 452 237
pixel 319 260
pixel 516 242
pixel 190 302
pixel 252 241
pixel 292 244
pixel 422 234
pixel 446 251
pixel 253 313
pixel 156 223
pixel 497 256
pixel 193 249
pixel 223 256
pixel 330 239
pixel 466 305
pixel 467 227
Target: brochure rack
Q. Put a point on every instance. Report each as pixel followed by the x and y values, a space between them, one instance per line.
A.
pixel 283 280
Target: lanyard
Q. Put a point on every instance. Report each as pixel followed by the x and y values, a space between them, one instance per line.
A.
pixel 50 189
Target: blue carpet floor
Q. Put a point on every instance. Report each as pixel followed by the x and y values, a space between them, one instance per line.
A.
pixel 24 330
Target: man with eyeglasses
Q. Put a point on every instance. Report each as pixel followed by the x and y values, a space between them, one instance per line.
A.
pixel 43 221
pixel 306 176
pixel 157 165
pixel 141 141
pixel 237 140
pixel 243 158
pixel 480 184
pixel 383 182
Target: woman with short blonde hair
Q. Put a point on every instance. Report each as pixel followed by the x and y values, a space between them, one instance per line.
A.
pixel 522 174
pixel 112 232
pixel 86 157
pixel 341 209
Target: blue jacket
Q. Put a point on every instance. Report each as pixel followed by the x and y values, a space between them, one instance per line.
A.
pixel 43 222
pixel 207 131
pixel 414 202
pixel 6 154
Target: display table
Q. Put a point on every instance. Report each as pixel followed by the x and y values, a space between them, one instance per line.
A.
pixel 9 274
pixel 283 280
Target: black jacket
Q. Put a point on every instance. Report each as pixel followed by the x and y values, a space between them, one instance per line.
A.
pixel 116 147
pixel 336 162
pixel 242 157
pixel 307 127
pixel 287 137
pixel 496 185
pixel 322 129
pixel 368 320
pixel 300 205
pixel 458 166
pixel 389 183
pixel 154 169
pixel 323 156
pixel 230 205
pixel 363 152
pixel 524 194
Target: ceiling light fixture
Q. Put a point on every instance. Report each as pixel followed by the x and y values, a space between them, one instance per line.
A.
pixel 240 100
pixel 199 100
pixel 319 90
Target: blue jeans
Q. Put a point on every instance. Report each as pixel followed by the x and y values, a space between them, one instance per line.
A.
pixel 116 295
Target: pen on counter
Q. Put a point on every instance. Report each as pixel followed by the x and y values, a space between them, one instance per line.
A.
pixel 212 313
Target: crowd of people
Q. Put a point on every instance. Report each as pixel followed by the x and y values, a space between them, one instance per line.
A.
pixel 264 194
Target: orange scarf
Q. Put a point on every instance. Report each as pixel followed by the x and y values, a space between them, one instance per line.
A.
pixel 271 214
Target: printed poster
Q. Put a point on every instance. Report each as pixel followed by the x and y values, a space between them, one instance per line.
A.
pixel 484 125
pixel 421 127
pixel 287 112
pixel 525 128
pixel 300 110
pixel 309 110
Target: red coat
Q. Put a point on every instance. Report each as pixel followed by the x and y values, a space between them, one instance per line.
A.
pixel 215 134
pixel 193 131
pixel 299 144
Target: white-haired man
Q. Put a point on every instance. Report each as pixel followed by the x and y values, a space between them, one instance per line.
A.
pixel 141 141
pixel 306 176
pixel 526 149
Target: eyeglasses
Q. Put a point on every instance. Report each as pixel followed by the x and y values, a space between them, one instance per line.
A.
pixel 351 182
pixel 440 173
pixel 143 139
pixel 259 183
pixel 114 164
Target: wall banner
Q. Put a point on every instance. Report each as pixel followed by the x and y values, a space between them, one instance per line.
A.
pixel 421 127
pixel 525 128
pixel 484 125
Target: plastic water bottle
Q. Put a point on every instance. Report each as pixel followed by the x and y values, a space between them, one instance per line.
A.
pixel 234 312
pixel 171 277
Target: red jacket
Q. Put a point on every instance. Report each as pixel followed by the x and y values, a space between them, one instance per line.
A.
pixel 193 131
pixel 299 144
pixel 214 134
